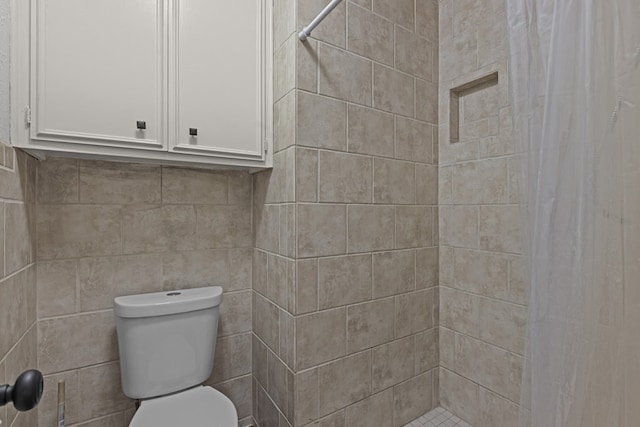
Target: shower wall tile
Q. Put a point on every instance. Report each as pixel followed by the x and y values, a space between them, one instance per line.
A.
pixel 344 280
pixel 393 91
pixel 365 250
pixel 393 363
pixel 370 132
pixel 320 337
pixel 414 55
pixel 375 410
pixel 369 324
pixel 284 122
pixel 333 28
pixel 460 395
pixel 399 11
pixel 320 230
pixel 482 273
pixel 412 398
pixel 370 228
pixel 394 182
pixel 344 382
pixel 344 178
pixel 329 132
pixel 394 272
pixel 370 35
pixel 336 65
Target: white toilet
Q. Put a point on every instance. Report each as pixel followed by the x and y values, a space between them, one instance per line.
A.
pixel 167 341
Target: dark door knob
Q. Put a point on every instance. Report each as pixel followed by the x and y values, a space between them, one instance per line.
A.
pixel 26 392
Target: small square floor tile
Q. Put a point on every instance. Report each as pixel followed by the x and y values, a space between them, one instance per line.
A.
pixel 438 417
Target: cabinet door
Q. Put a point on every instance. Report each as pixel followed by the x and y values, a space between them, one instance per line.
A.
pixel 98 73
pixel 221 95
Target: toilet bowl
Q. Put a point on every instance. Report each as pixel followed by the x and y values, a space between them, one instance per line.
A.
pixel 197 407
pixel 166 342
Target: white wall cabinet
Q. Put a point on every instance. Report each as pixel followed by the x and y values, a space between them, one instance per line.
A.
pixel 164 81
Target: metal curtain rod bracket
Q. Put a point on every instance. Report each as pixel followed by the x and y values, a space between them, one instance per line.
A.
pixel 306 31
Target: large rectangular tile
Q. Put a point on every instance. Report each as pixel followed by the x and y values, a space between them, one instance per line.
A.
pixel 460 311
pixel 335 64
pixel 415 312
pixel 371 228
pixel 369 324
pixel 194 186
pixel 223 227
pixel 414 54
pixel 331 131
pixel 399 11
pixel 321 230
pixel 320 337
pixel 459 226
pixel 414 227
pixel 412 398
pixel 232 358
pixel 376 410
pixel 118 183
pixel 56 287
pixel 460 395
pixel 344 382
pixel 370 35
pixel 344 178
pixel 480 272
pixel 333 28
pixel 103 400
pixel 503 324
pixel 57 180
pixel 235 313
pixel 500 228
pixel 394 182
pixel 93 341
pixel 66 231
pixel 344 280
pixel 393 273
pixel 19 233
pixel 393 363
pixel 393 91
pixel 102 279
pixel 414 140
pixel 370 131
pixel 154 228
pixel 482 182
pixel 195 269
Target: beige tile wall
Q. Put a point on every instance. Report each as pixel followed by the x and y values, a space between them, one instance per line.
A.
pixel 482 298
pixel 18 334
pixel 346 265
pixel 107 229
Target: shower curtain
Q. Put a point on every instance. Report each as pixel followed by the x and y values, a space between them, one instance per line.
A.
pixel 575 85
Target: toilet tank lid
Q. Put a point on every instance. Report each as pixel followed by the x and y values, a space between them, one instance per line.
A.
pixel 168 302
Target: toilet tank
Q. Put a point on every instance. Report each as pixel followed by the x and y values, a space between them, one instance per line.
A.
pixel 166 340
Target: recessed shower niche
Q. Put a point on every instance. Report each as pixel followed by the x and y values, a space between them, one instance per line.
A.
pixel 474 112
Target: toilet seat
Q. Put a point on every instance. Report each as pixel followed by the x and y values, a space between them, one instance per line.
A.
pixel 197 407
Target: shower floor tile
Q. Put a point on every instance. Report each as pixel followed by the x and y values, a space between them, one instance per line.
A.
pixel 438 417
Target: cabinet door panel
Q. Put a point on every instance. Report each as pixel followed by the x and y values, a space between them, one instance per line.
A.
pixel 223 95
pixel 99 70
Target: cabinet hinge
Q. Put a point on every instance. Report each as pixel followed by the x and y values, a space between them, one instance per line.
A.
pixel 28 115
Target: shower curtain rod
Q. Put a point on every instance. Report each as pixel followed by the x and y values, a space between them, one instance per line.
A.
pixel 306 31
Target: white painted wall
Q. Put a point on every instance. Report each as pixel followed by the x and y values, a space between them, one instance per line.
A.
pixel 5 98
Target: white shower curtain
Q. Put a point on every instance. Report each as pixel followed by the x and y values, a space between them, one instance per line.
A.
pixel 575 84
